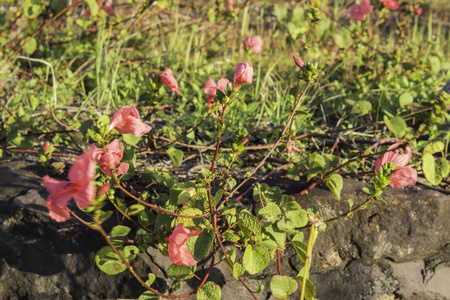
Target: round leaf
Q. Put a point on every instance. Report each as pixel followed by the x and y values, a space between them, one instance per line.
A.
pixel 405 99
pixel 255 259
pixel 30 46
pixel 283 286
pixel 210 291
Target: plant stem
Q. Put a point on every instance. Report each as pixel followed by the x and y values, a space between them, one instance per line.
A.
pixel 218 138
pixel 312 239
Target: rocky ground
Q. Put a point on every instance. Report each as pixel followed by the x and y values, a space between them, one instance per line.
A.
pixel 395 251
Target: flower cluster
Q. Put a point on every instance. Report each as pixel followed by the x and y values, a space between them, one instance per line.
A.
pixel 80 186
pixel 402 175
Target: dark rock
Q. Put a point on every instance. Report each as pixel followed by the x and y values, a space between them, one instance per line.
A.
pixel 395 251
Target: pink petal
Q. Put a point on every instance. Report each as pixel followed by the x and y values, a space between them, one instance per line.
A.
pixel 222 84
pixel 168 79
pixel 54 185
pixel 243 73
pixel 403 176
pixel 210 101
pixel 85 196
pixel 56 212
pixel 178 251
pixel 123 168
pixel 210 87
pixel 83 169
pixel 133 126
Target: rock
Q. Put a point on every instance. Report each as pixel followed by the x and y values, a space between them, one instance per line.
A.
pixel 395 251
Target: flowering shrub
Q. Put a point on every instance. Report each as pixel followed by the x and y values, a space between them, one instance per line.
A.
pixel 349 104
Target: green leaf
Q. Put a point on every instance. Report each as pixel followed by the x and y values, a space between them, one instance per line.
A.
pixel 120 230
pixel 190 222
pixel 361 107
pixel 405 99
pixel 30 46
pixel 32 9
pixel 177 189
pixel 434 147
pixel 186 195
pixel 135 209
pixel 93 7
pixel 131 139
pixel 151 279
pixel 181 272
pixel 280 12
pixel 435 64
pixel 130 252
pixel 396 125
pixel 103 120
pixel 434 170
pixel 209 291
pixel 294 213
pixel 271 211
pixel 109 262
pixel 249 224
pixel 238 270
pixel 147 295
pixel 301 249
pixel 343 38
pixel 200 245
pixel 262 192
pixel 273 237
pixel 283 286
pixel 255 258
pixel 175 155
pixel 335 184
pixel 310 290
pixel 286 226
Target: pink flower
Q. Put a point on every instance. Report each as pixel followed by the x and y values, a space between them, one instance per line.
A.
pixel 168 79
pixel 115 154
pixel 358 12
pixel 126 120
pixel 46 146
pixel 79 187
pixel 243 73
pixel 391 4
pixel 418 11
pixel 255 42
pixel 298 62
pixel 402 175
pixel 230 4
pixel 210 90
pixel 178 251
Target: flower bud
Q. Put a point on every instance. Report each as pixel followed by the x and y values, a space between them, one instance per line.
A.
pixel 298 62
pixel 243 73
pixel 46 146
pixel 418 11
